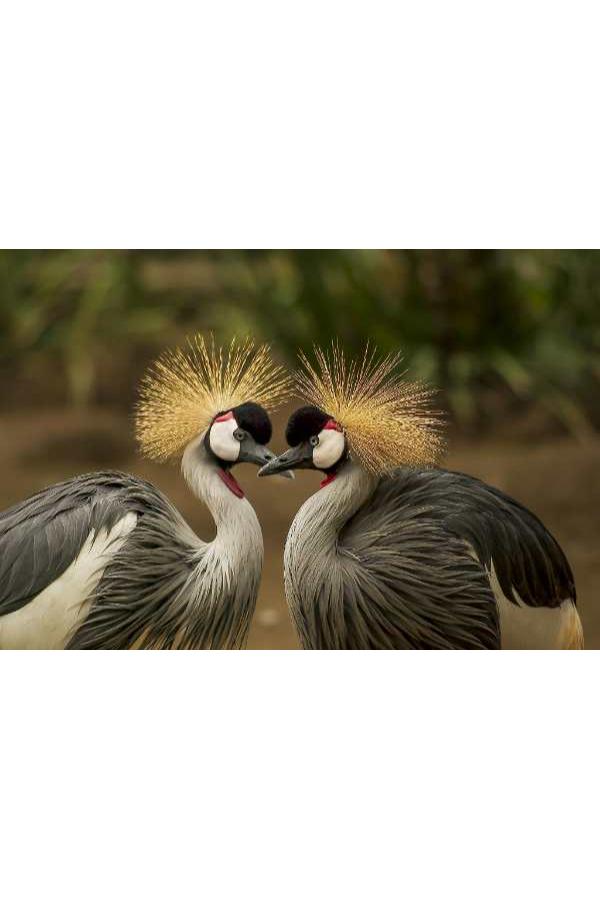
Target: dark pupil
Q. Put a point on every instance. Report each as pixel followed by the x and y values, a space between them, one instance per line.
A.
pixel 238 434
pixel 314 440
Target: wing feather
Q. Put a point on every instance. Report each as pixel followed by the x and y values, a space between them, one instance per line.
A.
pixel 41 536
pixel 530 565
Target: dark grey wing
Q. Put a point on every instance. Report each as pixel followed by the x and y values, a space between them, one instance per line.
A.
pixel 408 584
pixel 527 559
pixel 40 537
pixel 138 597
pixel 147 590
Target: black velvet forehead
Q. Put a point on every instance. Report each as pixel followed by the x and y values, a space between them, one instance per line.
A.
pixel 255 420
pixel 303 423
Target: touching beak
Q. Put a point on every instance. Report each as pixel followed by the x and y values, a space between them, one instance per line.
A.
pixel 257 454
pixel 299 457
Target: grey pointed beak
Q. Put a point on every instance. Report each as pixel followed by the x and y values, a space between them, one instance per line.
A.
pixel 257 454
pixel 295 458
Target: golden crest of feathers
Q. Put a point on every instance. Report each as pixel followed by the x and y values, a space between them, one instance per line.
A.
pixel 388 422
pixel 185 389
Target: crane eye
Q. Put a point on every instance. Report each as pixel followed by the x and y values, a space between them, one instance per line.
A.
pixel 314 441
pixel 239 434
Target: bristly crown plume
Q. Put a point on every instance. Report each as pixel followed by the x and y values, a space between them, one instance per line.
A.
pixel 388 422
pixel 185 389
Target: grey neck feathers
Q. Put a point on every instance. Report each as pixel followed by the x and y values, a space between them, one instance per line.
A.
pixel 237 549
pixel 321 518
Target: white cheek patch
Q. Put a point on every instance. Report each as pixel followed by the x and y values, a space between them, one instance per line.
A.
pixel 222 442
pixel 329 449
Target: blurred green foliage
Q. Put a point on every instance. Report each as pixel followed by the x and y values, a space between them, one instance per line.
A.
pixel 78 326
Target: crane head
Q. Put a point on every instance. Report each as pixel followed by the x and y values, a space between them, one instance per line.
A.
pixel 387 421
pixel 187 389
pixel 316 441
pixel 239 435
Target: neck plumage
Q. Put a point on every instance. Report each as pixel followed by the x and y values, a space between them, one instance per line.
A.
pixel 227 570
pixel 312 539
pixel 325 513
pixel 234 517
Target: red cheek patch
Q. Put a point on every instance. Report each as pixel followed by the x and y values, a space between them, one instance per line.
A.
pixel 225 417
pixel 332 425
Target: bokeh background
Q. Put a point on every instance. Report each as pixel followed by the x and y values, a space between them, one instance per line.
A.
pixel 510 337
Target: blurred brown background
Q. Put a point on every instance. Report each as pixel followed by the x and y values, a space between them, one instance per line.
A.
pixel 512 339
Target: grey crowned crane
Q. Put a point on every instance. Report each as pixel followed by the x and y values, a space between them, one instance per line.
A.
pixel 393 553
pixel 105 561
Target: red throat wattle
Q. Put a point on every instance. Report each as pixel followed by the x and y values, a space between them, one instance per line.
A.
pixel 228 479
pixel 327 480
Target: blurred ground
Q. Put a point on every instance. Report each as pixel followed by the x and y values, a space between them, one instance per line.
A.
pixel 556 477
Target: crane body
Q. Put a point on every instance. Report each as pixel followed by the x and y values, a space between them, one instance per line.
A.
pixel 105 561
pixel 394 553
pixel 425 559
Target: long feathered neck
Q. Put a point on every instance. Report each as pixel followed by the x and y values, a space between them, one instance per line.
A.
pixel 312 539
pixel 325 513
pixel 219 594
pixel 238 539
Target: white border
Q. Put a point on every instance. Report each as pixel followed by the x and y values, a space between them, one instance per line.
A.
pixel 274 774
pixel 342 124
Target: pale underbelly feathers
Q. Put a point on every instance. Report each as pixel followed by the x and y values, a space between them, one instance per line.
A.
pixel 524 627
pixel 539 627
pixel 49 619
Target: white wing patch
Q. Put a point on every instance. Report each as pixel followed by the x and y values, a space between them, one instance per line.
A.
pixel 47 621
pixel 524 627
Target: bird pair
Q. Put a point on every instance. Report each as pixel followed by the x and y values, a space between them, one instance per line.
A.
pixel 390 553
